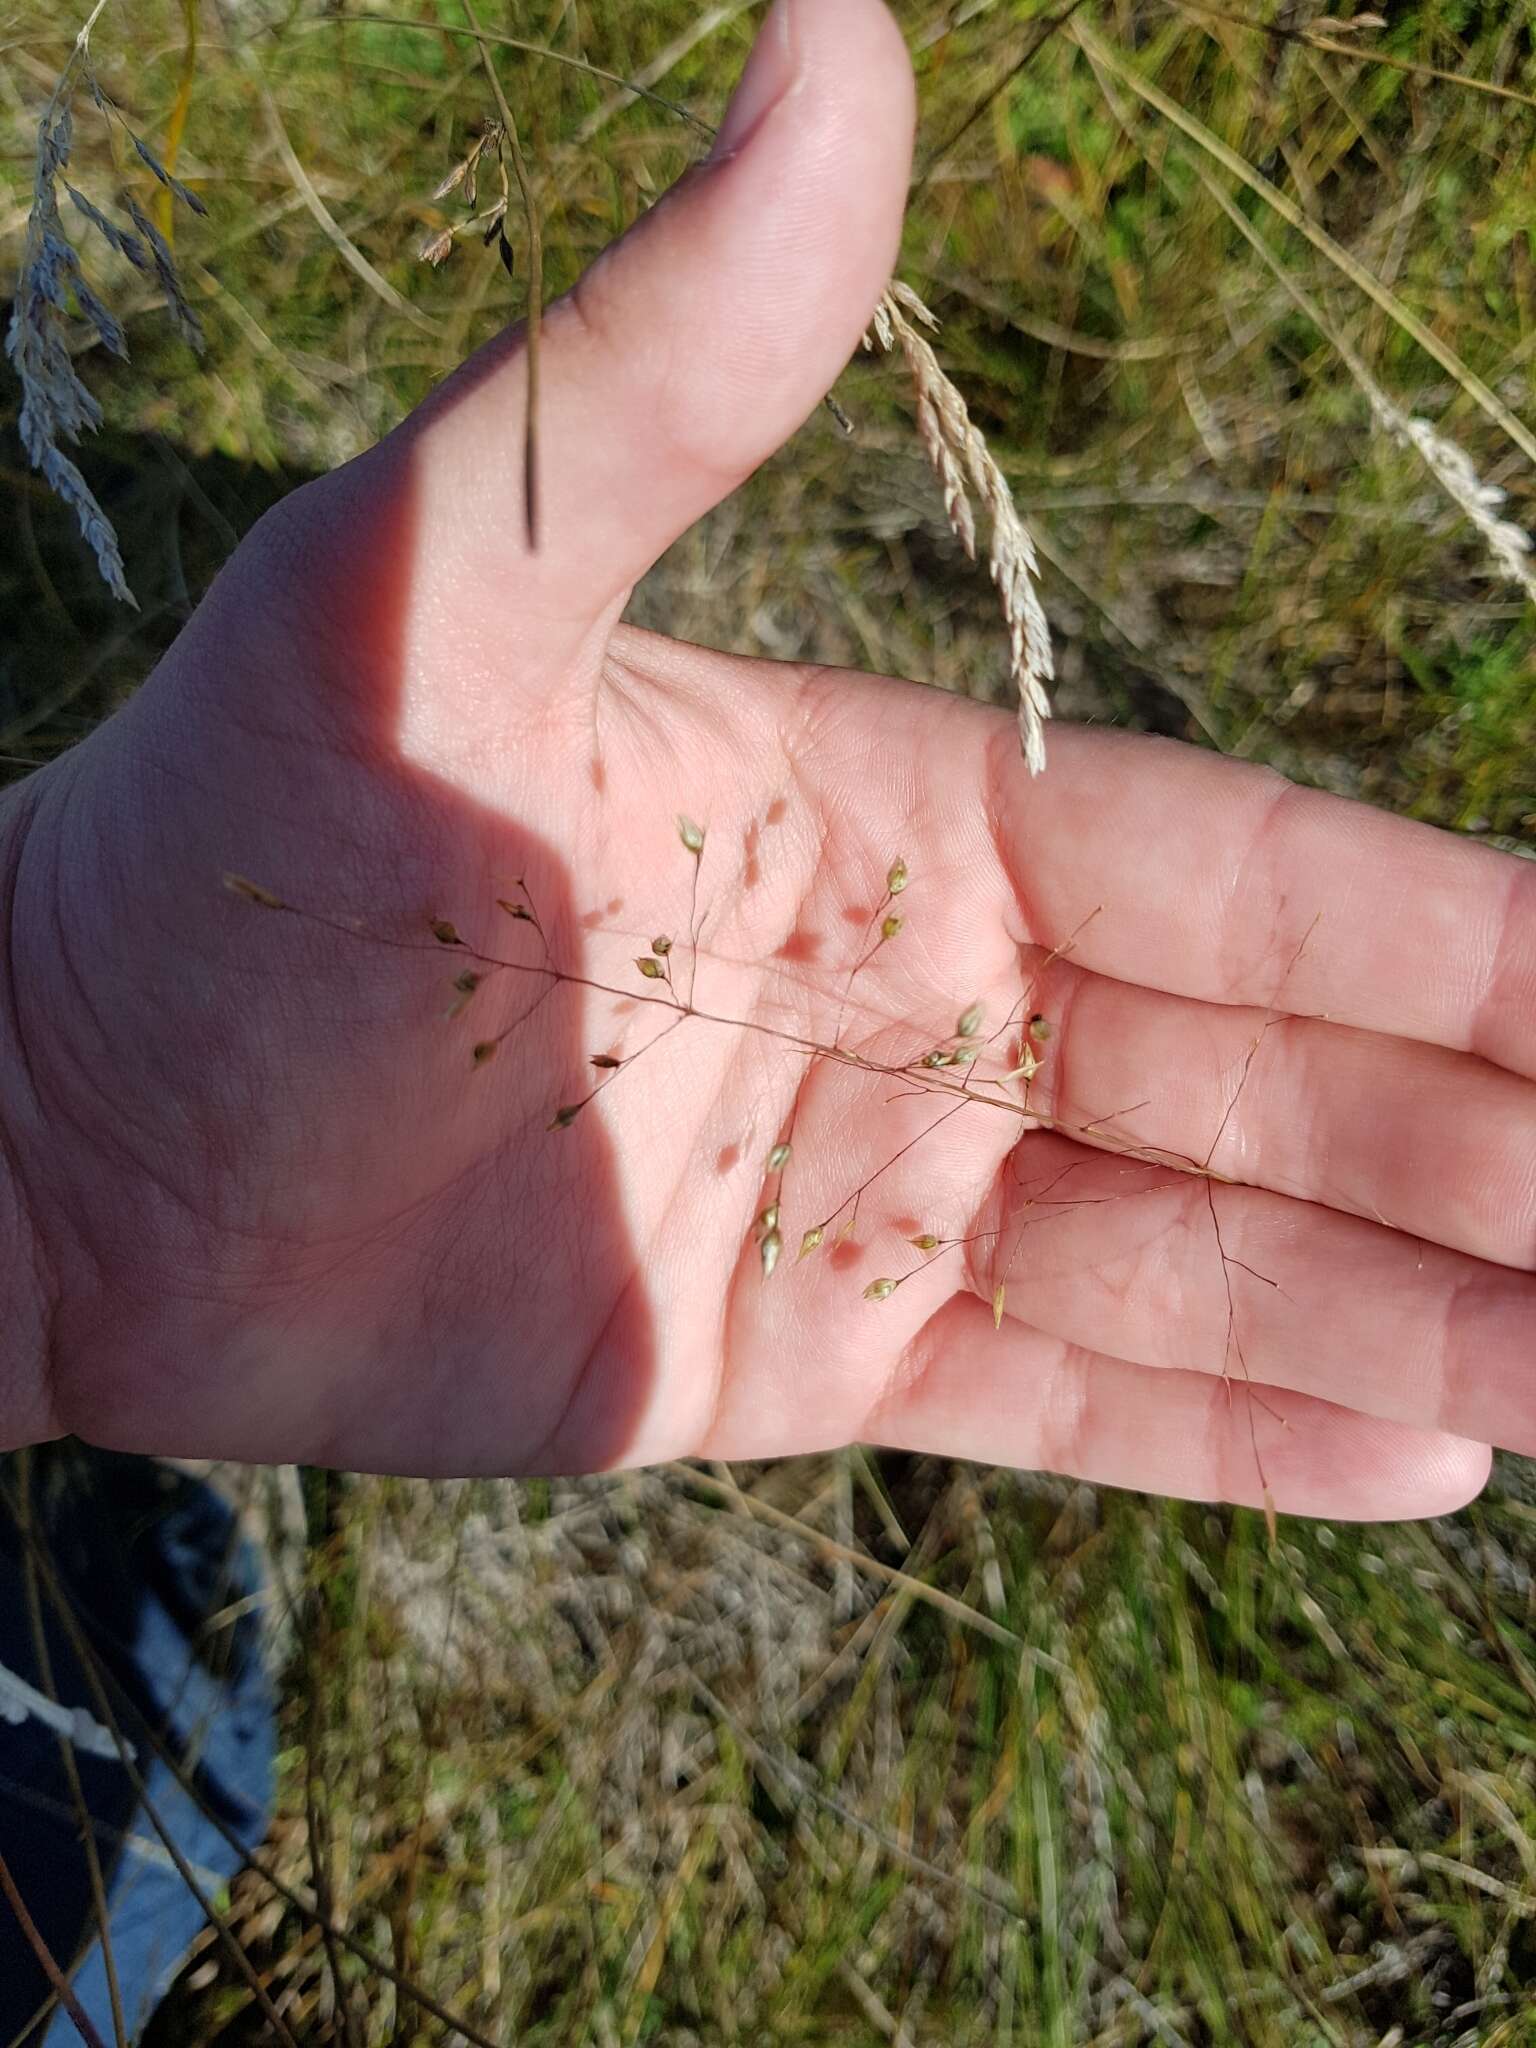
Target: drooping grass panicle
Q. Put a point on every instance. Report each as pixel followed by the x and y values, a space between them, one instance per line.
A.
pixel 489 223
pixel 964 464
pixel 55 404
pixel 52 289
pixel 1451 467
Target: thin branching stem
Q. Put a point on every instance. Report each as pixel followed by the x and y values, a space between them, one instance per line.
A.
pixel 502 41
pixel 50 1969
pixel 934 1082
pixel 535 281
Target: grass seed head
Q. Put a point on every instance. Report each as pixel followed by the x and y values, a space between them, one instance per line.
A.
pixel 43 336
pixel 253 892
pixel 958 453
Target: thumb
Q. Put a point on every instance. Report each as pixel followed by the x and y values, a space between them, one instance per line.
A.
pixel 696 345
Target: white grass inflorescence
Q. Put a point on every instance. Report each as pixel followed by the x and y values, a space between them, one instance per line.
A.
pixel 56 405
pixel 964 464
pixel 1451 467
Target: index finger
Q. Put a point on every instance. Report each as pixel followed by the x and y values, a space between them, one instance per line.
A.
pixel 1221 880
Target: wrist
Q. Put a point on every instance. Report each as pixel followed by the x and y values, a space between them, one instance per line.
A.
pixel 27 1412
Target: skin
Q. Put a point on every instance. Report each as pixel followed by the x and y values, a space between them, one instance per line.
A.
pixel 261 1204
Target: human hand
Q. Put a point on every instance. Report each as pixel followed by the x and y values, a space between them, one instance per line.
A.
pixel 269 1207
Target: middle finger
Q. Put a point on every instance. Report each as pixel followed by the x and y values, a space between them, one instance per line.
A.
pixel 1169 1269
pixel 1434 1142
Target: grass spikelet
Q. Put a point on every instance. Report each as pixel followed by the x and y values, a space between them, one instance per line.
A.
pixel 183 319
pixel 490 224
pixel 253 892
pixel 157 169
pixel 963 464
pixel 126 245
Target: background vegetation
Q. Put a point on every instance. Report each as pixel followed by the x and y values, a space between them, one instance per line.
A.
pixel 870 1748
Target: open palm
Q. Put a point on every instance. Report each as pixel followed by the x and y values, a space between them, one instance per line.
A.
pixel 272 1205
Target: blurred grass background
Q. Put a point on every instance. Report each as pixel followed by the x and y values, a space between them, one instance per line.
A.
pixel 866 1748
